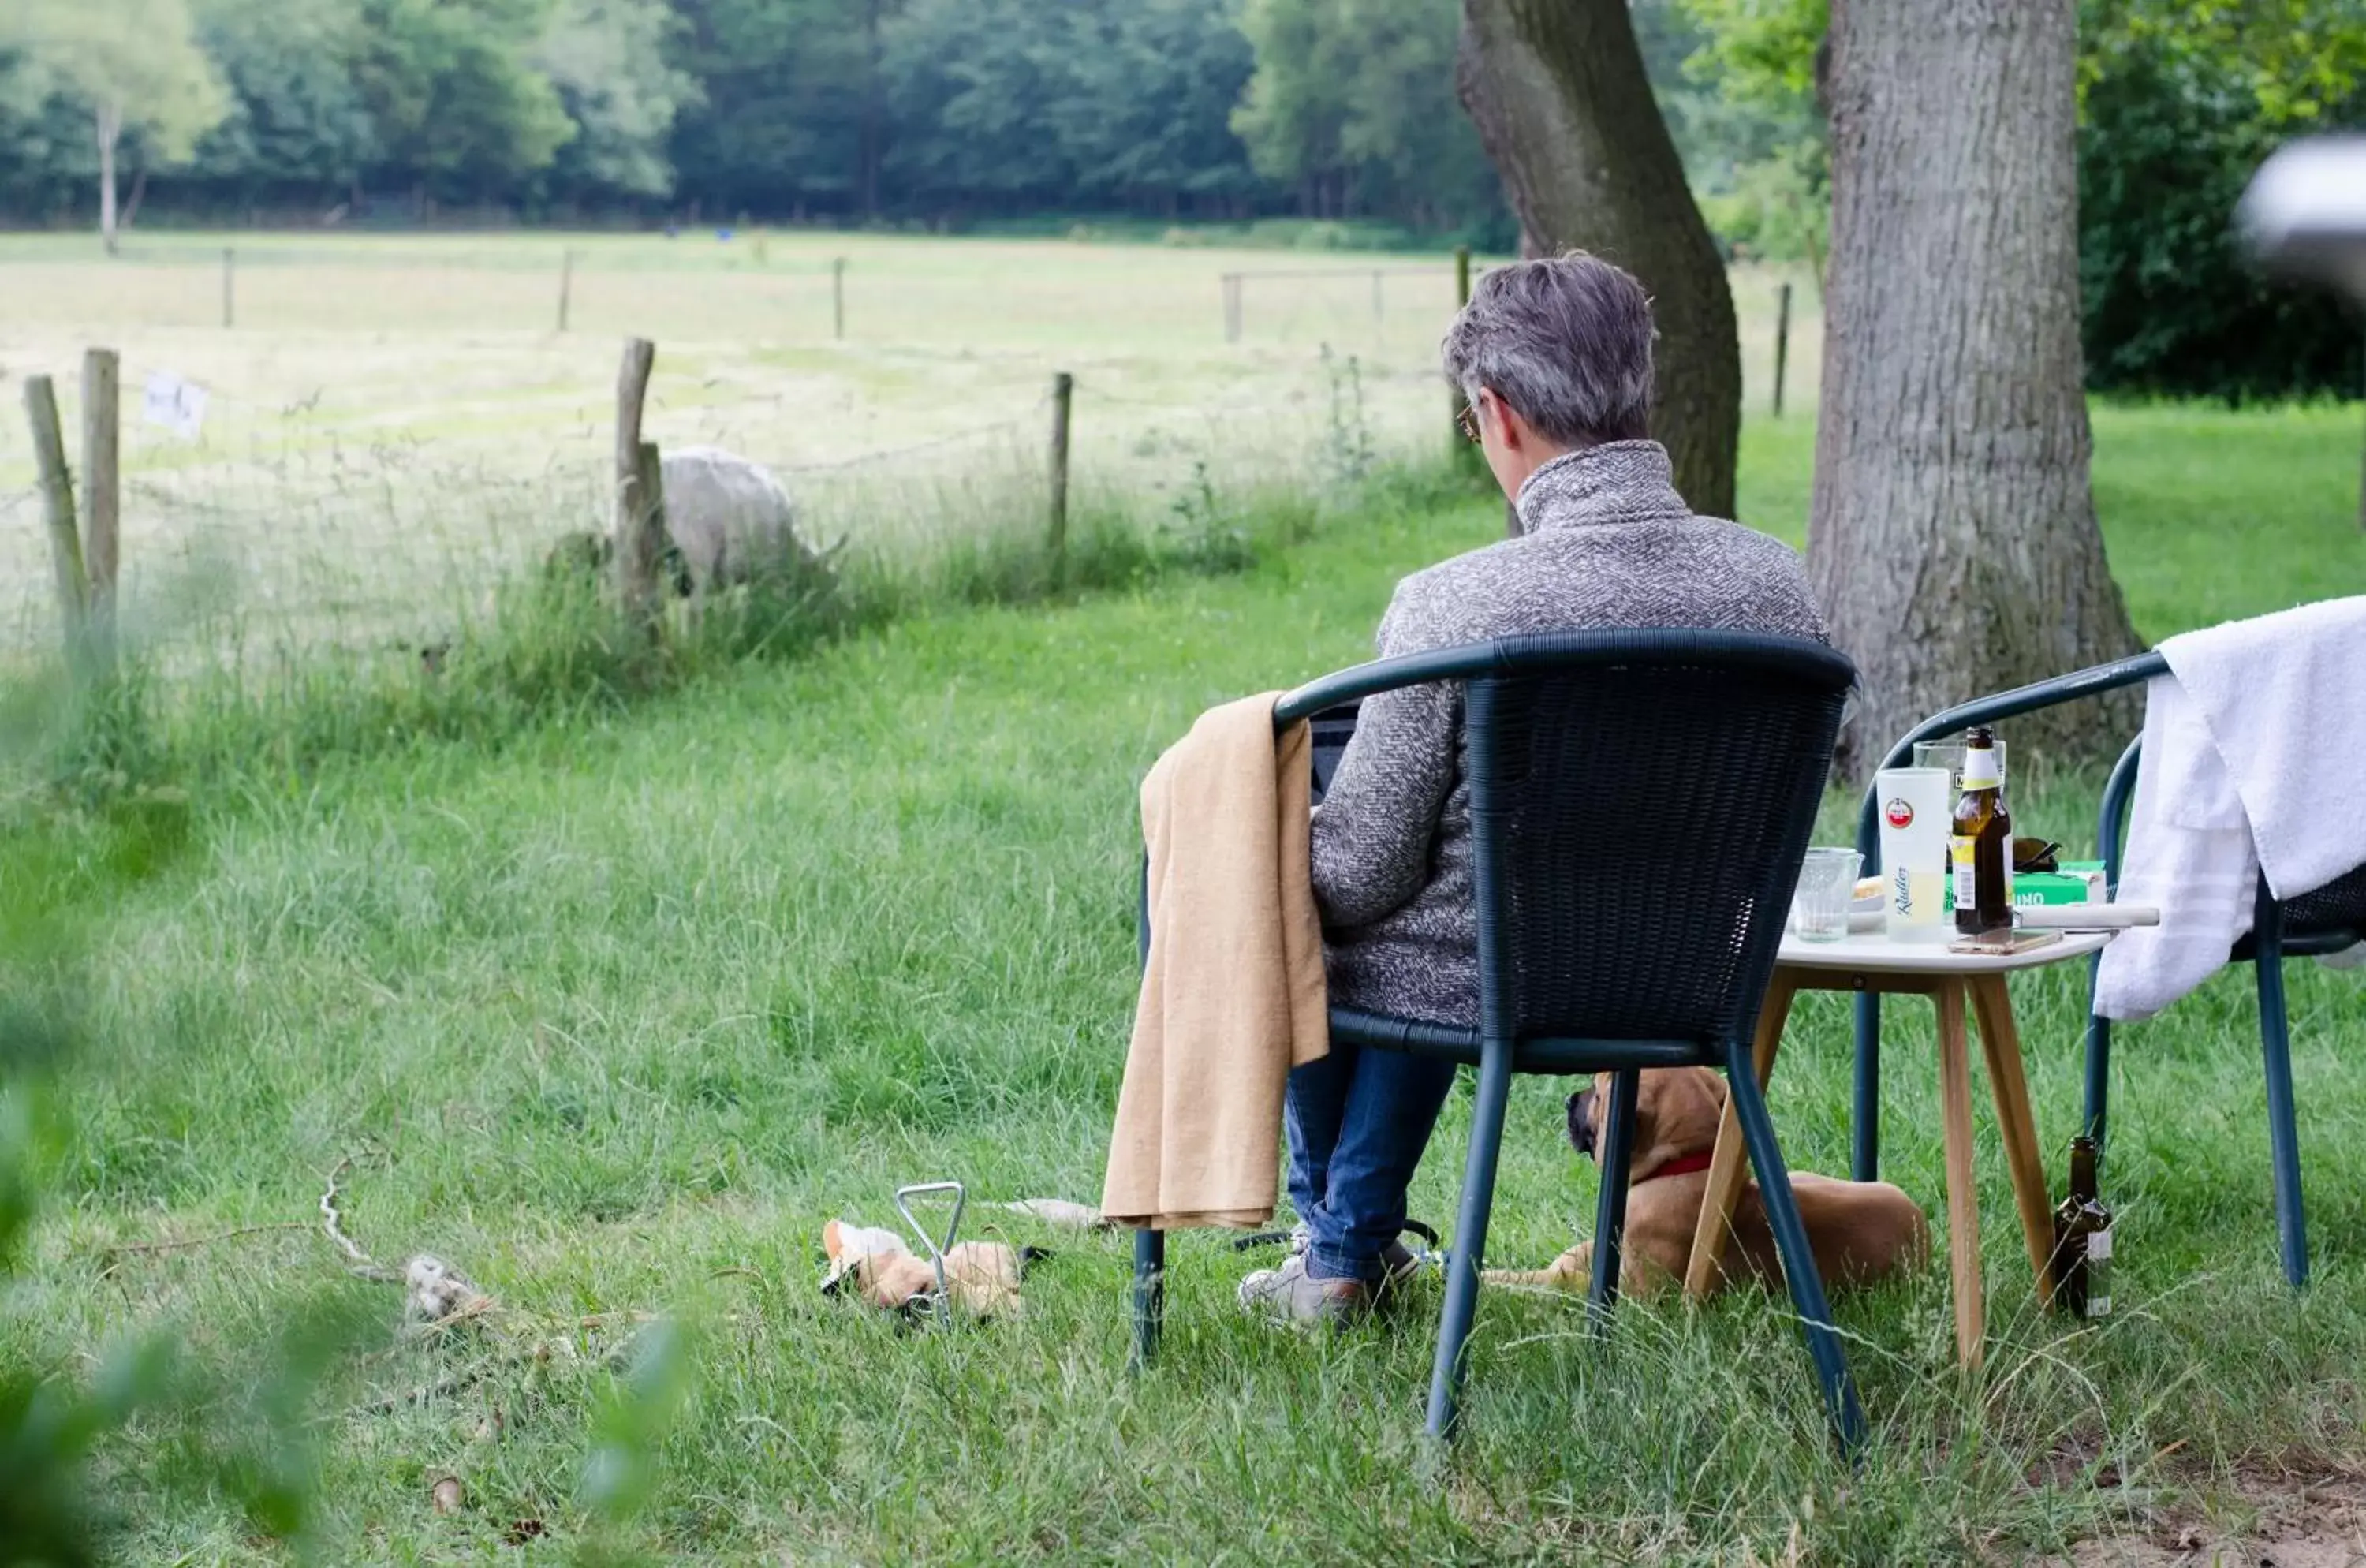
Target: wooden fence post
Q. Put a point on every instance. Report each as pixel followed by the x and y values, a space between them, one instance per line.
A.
pixel 1782 344
pixel 1231 307
pixel 57 493
pixel 566 283
pixel 837 297
pixel 648 473
pixel 230 289
pixel 102 494
pixel 635 546
pixel 1064 386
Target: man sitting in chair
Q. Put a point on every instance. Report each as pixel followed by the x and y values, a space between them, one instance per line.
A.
pixel 1554 357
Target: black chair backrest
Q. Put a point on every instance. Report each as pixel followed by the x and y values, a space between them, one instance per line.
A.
pixel 2338 906
pixel 1640 803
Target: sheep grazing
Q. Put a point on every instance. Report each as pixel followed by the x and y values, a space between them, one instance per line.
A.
pixel 730 520
pixel 727 521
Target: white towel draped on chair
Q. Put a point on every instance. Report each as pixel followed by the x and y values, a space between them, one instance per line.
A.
pixel 2254 745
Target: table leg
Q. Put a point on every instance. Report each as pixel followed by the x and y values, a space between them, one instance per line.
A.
pixel 2000 1041
pixel 1963 1198
pixel 1730 1166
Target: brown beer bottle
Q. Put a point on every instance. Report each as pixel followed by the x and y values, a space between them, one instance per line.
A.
pixel 2083 1241
pixel 1980 854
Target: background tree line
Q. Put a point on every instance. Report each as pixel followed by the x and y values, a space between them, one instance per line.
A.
pixel 959 112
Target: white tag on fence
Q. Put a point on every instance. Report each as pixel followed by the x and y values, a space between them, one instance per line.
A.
pixel 179 406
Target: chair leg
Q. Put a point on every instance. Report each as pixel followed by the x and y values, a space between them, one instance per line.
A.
pixel 1791 1242
pixel 2099 1074
pixel 1149 1296
pixel 1469 1253
pixel 1610 1211
pixel 2275 1048
pixel 1865 1125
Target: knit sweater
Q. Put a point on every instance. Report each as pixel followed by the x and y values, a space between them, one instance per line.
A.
pixel 1605 541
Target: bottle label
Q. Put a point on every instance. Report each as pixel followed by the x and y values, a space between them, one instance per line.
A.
pixel 2099 1273
pixel 1959 856
pixel 2099 1246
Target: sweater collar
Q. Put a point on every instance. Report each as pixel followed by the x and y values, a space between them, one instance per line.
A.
pixel 1618 481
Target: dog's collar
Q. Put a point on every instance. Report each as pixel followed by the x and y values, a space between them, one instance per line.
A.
pixel 1684 1166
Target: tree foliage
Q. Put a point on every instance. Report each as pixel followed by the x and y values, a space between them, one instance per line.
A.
pixel 837 108
pixel 2182 101
pixel 1353 100
pixel 131 67
pixel 133 62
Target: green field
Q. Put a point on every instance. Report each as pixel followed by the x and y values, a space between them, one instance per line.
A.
pixel 393 424
pixel 613 1013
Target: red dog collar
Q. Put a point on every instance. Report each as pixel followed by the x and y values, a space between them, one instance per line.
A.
pixel 1684 1166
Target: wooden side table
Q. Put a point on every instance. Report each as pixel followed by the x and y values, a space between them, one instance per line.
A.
pixel 1874 963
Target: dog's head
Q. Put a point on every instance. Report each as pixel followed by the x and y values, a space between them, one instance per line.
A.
pixel 1676 1113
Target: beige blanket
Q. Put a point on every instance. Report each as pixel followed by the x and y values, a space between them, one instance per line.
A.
pixel 1233 995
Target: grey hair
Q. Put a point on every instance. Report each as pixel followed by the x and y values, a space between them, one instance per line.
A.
pixel 1566 341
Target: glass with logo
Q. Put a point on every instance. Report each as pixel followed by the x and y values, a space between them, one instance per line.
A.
pixel 1914 808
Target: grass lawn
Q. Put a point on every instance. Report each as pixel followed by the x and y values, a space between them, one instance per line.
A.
pixel 613 1017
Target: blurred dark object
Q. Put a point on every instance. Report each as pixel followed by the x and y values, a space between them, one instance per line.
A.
pixel 2303 216
pixel 2173 303
pixel 2036 854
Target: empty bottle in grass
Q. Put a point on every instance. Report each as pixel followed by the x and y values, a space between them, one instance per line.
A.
pixel 2083 1241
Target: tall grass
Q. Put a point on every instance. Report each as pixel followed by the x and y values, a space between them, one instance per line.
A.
pixel 207 693
pixel 615 1007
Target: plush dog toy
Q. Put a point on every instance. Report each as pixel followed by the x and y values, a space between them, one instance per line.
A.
pixel 1859 1231
pixel 981 1277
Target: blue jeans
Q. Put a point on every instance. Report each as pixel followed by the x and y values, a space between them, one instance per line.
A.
pixel 1358 1121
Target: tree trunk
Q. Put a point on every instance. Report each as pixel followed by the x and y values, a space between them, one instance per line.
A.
pixel 130 216
pixel 1954 543
pixel 1557 90
pixel 870 112
pixel 110 130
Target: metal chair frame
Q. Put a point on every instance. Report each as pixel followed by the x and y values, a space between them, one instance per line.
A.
pixel 2266 947
pixel 1498 1049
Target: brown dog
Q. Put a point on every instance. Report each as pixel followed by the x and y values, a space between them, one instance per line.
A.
pixel 981 1277
pixel 1859 1231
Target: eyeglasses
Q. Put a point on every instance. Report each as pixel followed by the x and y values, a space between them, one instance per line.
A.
pixel 1467 417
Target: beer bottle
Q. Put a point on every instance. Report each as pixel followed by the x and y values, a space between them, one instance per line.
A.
pixel 2083 1241
pixel 1981 850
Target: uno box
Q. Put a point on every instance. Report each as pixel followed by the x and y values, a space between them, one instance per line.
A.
pixel 2078 882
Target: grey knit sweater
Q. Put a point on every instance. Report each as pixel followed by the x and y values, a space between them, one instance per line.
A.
pixel 1606 542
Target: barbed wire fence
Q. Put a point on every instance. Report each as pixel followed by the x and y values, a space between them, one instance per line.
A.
pixel 282 522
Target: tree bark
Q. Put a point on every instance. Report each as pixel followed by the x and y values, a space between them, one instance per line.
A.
pixel 870 110
pixel 129 218
pixel 1557 90
pixel 110 130
pixel 1953 542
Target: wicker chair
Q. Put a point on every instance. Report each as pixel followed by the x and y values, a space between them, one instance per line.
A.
pixel 2325 921
pixel 1639 805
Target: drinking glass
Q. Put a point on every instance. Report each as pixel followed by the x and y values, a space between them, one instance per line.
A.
pixel 1913 806
pixel 1820 909
pixel 1949 754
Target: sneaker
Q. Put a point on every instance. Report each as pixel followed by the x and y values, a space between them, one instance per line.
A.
pixel 1399 1263
pixel 1290 1296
